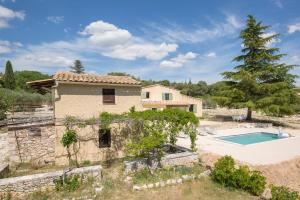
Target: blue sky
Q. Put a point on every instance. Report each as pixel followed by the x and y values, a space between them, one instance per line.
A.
pixel 154 39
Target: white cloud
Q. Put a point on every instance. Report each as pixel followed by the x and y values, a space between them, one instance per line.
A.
pixel 294 28
pixel 179 60
pixel 44 55
pixel 233 21
pixel 106 34
pixel 7 47
pixel 55 19
pixel 272 41
pixel 4 46
pixel 278 3
pixel 176 33
pixel 93 39
pixel 3 23
pixel 112 41
pixel 149 51
pixel 211 55
pixel 7 14
pixel 13 1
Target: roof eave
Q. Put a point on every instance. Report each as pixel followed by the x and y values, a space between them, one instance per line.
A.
pixel 102 84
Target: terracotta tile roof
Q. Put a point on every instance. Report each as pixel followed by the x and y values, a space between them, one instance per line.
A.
pixel 92 78
pixel 165 103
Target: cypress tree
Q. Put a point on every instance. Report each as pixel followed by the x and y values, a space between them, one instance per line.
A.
pixel 77 67
pixel 9 77
pixel 260 81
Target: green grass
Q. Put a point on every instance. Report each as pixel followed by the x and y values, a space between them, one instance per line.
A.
pixel 114 187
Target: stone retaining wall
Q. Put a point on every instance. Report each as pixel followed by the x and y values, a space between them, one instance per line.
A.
pixel 173 181
pixel 4 170
pixel 20 186
pixel 4 147
pixel 186 157
pixel 29 144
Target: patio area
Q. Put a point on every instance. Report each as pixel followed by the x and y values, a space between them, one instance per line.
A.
pixel 264 153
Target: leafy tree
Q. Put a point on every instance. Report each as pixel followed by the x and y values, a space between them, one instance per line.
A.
pixel 1 80
pixel 195 90
pixel 70 138
pixel 77 68
pixel 164 82
pixel 118 74
pixel 3 108
pixel 260 82
pixel 22 77
pixel 9 78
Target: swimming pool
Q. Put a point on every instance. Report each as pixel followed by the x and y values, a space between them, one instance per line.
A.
pixel 250 138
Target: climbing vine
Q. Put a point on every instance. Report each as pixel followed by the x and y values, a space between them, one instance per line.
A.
pixel 150 129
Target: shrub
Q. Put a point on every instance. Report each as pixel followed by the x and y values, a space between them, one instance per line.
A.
pixel 226 174
pixel 257 183
pixel 283 193
pixel 68 183
pixel 223 170
pixel 240 178
pixel 69 137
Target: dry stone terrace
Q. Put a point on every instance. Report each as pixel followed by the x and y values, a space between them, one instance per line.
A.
pixel 31 144
pixel 18 187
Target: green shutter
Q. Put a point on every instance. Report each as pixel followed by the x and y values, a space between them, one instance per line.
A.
pixel 170 96
pixel 194 108
pixel 163 96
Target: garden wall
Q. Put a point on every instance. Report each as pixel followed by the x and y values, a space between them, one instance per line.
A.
pixel 88 148
pixel 20 186
pixel 4 147
pixel 185 157
pixel 28 144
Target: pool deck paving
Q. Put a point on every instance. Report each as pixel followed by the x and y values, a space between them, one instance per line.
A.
pixel 264 153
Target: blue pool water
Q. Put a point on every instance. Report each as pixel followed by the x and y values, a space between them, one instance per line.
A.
pixel 250 138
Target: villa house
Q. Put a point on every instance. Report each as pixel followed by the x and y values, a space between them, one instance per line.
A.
pixel 160 97
pixel 86 96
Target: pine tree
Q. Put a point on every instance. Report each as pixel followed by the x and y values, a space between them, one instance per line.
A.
pixel 78 67
pixel 9 78
pixel 260 82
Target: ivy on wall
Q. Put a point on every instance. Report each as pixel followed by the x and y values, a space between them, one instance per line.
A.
pixel 150 129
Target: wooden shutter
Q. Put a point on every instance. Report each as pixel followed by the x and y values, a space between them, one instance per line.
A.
pixel 170 96
pixel 143 95
pixel 163 96
pixel 108 95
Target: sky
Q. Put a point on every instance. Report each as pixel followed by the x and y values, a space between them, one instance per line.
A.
pixel 156 39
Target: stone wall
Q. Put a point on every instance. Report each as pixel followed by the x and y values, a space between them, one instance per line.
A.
pixel 21 186
pixel 186 157
pixel 4 147
pixel 88 148
pixel 28 145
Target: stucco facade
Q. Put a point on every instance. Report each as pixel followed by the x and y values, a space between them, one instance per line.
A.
pixel 86 100
pixel 155 100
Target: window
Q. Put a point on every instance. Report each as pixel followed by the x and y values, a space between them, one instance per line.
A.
pixel 104 138
pixel 145 95
pixel 167 96
pixel 193 108
pixel 108 95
